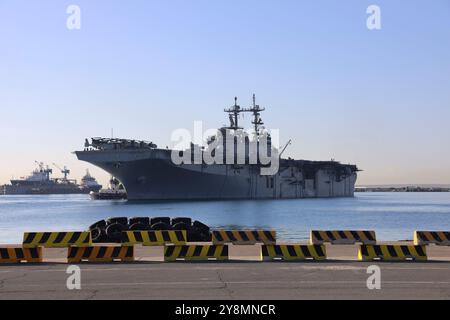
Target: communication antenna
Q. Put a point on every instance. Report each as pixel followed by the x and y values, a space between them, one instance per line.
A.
pixel 257 121
pixel 40 165
pixel 234 112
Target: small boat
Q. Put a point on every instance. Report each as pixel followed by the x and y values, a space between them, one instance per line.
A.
pixel 116 191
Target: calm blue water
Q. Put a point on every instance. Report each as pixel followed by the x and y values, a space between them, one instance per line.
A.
pixel 394 216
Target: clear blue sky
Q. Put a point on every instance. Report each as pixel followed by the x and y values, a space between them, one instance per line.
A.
pixel 380 99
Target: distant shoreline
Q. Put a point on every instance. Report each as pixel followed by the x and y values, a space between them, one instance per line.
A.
pixel 403 188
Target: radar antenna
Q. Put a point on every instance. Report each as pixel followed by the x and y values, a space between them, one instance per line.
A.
pixel 257 121
pixel 40 165
pixel 44 169
pixel 234 112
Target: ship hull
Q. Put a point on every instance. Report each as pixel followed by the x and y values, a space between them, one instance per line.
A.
pixel 44 190
pixel 108 195
pixel 151 175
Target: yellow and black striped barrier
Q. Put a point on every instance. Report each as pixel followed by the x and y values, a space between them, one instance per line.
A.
pixel 342 237
pixel 394 252
pixel 100 254
pixel 154 238
pixel 441 238
pixel 293 252
pixel 243 237
pixel 17 255
pixel 196 252
pixel 56 239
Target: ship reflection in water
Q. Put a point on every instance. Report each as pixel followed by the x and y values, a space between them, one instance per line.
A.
pixel 40 182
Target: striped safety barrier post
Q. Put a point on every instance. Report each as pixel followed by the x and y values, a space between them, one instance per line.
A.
pixel 203 252
pixel 394 252
pixel 100 254
pixel 154 238
pixel 441 238
pixel 342 237
pixel 293 252
pixel 243 237
pixel 17 255
pixel 57 239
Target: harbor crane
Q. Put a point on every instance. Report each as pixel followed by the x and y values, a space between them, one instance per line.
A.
pixel 64 171
pixel 42 167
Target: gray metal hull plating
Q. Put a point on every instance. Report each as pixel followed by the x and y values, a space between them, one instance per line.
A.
pixel 151 175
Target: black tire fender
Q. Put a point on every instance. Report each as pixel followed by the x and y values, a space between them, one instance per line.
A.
pixel 98 224
pixel 185 220
pixel 181 226
pixel 165 220
pixel 142 220
pixel 201 226
pixel 120 220
pixel 114 232
pixel 139 227
pixel 96 234
pixel 161 226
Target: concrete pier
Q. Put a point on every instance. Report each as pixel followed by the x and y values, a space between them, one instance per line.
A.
pixel 340 277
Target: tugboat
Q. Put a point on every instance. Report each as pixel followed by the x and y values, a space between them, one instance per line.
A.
pixel 116 191
pixel 40 182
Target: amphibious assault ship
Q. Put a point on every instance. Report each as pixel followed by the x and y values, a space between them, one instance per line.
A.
pixel 40 182
pixel 149 173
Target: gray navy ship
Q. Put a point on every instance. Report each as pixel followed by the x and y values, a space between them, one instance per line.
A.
pixel 40 182
pixel 149 173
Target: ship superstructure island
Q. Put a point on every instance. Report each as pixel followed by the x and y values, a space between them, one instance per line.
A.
pixel 149 173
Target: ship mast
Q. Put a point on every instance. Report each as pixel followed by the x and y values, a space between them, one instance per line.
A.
pixel 44 169
pixel 233 113
pixel 235 110
pixel 256 110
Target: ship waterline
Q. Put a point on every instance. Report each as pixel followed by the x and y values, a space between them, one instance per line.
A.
pixel 149 174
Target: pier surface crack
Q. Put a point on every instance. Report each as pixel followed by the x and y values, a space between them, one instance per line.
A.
pixel 225 284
